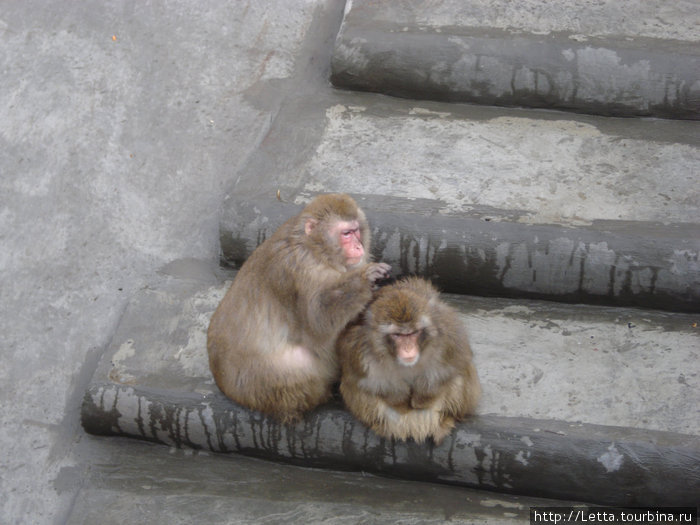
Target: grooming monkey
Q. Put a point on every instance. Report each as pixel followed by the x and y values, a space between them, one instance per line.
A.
pixel 271 341
pixel 407 368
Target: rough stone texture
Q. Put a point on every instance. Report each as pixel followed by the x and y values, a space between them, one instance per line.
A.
pixel 153 484
pixel 533 168
pixel 543 458
pixel 487 200
pixel 608 262
pixel 548 425
pixel 638 361
pixel 121 123
pixel 123 126
pixel 604 65
pixel 580 18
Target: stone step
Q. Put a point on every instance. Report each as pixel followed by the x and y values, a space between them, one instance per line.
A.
pixel 580 403
pixel 492 201
pixel 609 262
pixel 137 482
pixel 634 59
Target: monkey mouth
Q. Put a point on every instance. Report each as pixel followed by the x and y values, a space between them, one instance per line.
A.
pixel 407 350
pixel 409 360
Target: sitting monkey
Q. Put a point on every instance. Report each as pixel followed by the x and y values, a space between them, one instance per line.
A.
pixel 271 341
pixel 407 368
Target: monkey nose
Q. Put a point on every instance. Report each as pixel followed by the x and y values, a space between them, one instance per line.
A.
pixel 408 354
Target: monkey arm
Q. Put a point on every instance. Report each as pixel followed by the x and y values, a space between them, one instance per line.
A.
pixel 431 385
pixel 335 303
pixel 371 409
pixel 460 395
pixel 397 397
pixel 423 399
pixel 462 391
pixel 394 421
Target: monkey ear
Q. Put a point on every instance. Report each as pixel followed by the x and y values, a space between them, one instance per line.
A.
pixel 309 225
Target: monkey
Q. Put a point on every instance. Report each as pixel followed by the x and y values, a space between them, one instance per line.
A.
pixel 406 365
pixel 271 340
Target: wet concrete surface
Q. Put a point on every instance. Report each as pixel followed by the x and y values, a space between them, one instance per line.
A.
pixel 154 484
pixel 582 364
pixel 121 124
pixel 124 125
pixel 489 251
pixel 514 202
pixel 596 365
pixel 579 402
pixel 593 60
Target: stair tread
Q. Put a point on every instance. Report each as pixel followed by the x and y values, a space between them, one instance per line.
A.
pixel 575 363
pixel 592 59
pixel 580 403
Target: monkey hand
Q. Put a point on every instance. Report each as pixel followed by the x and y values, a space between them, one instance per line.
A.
pixel 401 408
pixel 377 271
pixel 422 401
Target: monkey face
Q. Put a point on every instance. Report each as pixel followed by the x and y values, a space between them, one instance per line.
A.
pixel 349 236
pixel 401 316
pixel 336 230
pixel 340 240
pixel 406 346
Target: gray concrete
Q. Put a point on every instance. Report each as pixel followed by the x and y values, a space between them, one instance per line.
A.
pixel 541 167
pixel 536 359
pixel 561 383
pixel 122 127
pixel 152 484
pixel 487 252
pixel 580 18
pixel 522 203
pixel 609 58
pixel 115 153
pixel 614 466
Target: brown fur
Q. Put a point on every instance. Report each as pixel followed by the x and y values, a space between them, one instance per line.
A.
pixel 418 401
pixel 271 340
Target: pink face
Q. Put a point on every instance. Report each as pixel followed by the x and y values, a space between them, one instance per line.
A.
pixel 350 237
pixel 407 348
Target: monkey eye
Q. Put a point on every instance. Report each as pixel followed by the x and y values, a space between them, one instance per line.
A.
pixel 348 233
pixel 407 334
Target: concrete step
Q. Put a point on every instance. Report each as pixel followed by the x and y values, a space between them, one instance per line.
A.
pixel 490 201
pixel 485 200
pixel 580 403
pixel 143 483
pixel 638 58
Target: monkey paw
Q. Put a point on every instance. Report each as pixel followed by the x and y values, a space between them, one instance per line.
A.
pixel 377 271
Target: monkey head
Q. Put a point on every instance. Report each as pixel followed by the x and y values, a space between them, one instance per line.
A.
pixel 400 316
pixel 336 229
